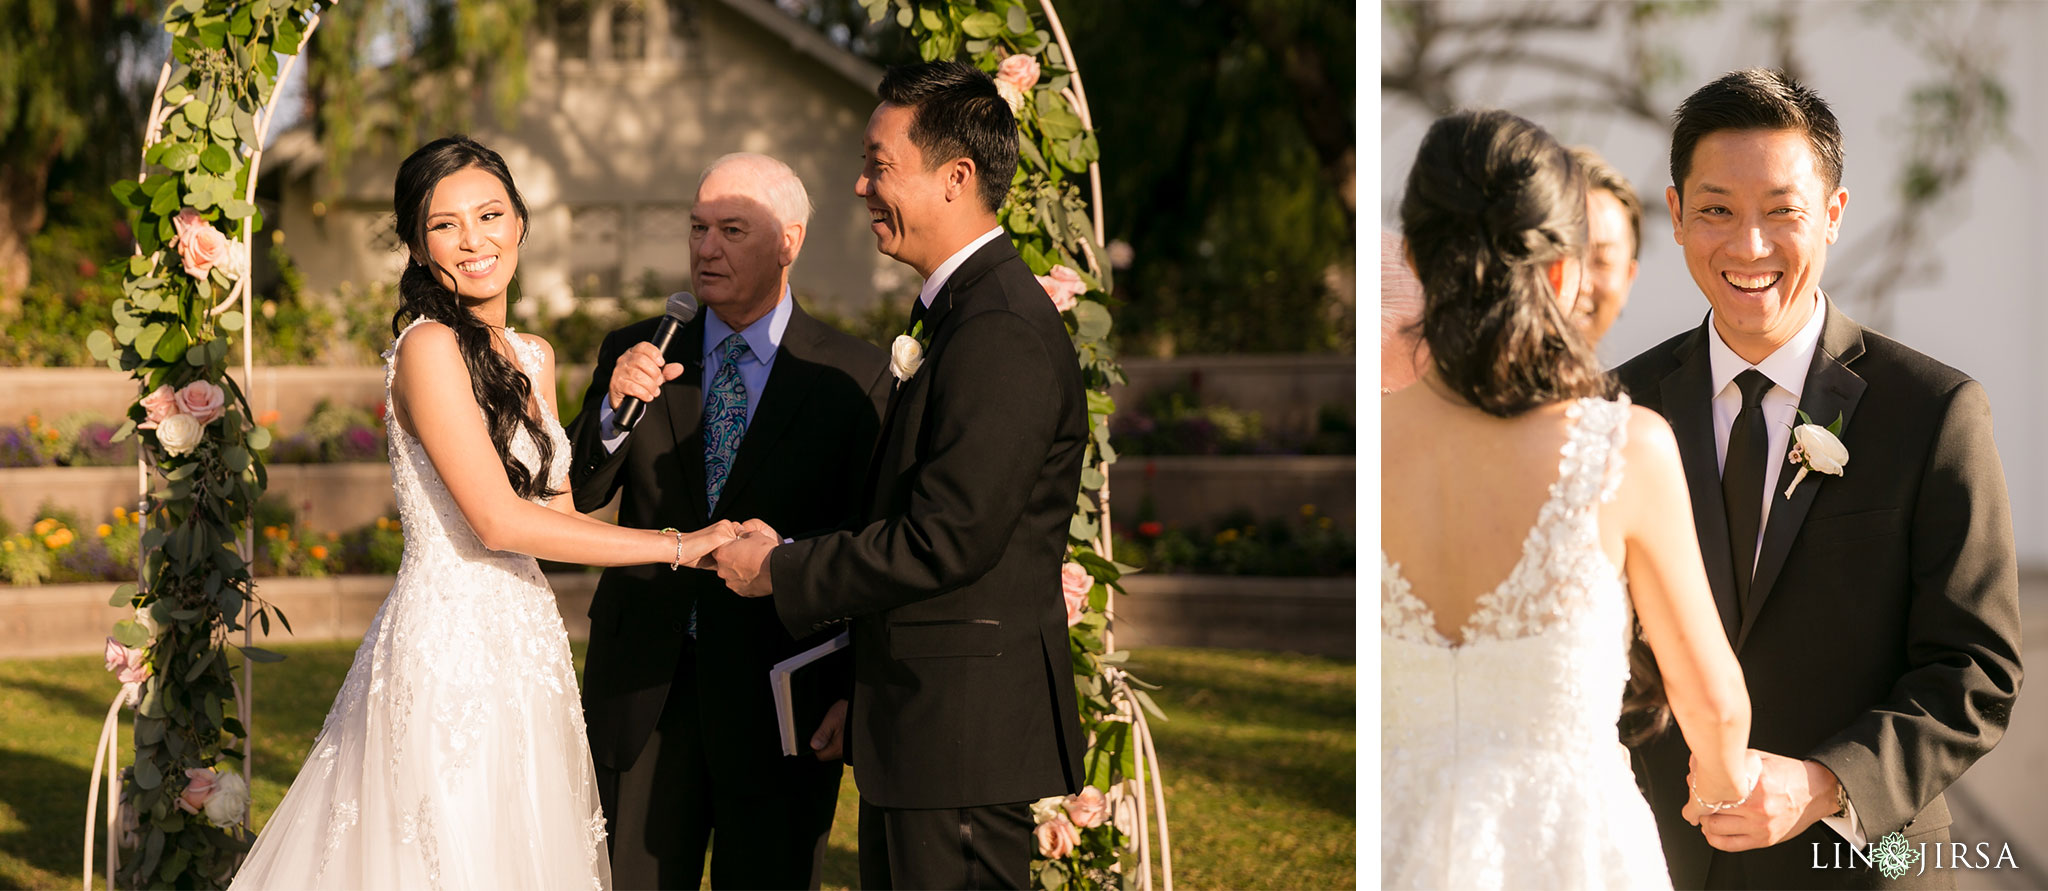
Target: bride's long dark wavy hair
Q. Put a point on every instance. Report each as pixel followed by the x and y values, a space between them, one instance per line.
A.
pixel 501 388
pixel 1492 201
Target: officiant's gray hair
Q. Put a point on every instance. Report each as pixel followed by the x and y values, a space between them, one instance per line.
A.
pixel 783 190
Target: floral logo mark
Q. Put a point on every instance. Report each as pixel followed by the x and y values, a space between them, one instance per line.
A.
pixel 1893 855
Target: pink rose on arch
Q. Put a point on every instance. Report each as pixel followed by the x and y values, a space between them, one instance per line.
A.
pixel 1074 585
pixel 1020 71
pixel 1064 286
pixel 199 244
pixel 203 401
pixel 160 405
pixel 1056 838
pixel 1088 808
pixel 129 665
pixel 199 786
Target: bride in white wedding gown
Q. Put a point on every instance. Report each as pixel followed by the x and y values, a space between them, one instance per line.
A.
pixel 1528 516
pixel 454 755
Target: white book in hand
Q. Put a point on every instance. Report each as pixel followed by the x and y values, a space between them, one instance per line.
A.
pixel 778 681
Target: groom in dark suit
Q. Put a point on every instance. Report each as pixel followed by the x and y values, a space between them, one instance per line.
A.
pixel 757 410
pixel 1873 604
pixel 963 706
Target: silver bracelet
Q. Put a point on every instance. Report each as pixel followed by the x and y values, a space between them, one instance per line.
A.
pixel 1714 807
pixel 678 564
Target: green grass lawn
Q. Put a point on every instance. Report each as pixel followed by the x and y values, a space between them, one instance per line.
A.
pixel 1258 761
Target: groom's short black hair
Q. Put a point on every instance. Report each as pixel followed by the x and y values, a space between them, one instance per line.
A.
pixel 956 112
pixel 1756 99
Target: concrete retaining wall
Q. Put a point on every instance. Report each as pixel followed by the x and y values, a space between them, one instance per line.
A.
pixel 1299 615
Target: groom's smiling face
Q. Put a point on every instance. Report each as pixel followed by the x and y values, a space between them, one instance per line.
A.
pixel 1755 220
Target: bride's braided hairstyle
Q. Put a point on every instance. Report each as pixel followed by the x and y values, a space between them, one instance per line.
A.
pixel 1493 200
pixel 502 390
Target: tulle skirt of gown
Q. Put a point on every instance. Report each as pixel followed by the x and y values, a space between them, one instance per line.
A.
pixel 454 756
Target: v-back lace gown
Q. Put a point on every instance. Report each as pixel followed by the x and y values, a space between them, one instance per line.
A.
pixel 454 755
pixel 1500 765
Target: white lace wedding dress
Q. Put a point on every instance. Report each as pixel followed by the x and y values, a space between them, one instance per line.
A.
pixel 454 755
pixel 1500 765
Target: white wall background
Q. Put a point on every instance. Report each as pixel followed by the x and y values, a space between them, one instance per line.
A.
pixel 1981 313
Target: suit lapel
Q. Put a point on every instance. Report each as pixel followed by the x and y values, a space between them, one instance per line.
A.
pixel 1687 395
pixel 1831 389
pixel 788 386
pixel 682 400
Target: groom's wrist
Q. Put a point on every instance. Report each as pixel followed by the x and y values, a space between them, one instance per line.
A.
pixel 1828 799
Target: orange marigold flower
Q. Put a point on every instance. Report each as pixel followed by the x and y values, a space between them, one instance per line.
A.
pixel 104 530
pixel 319 552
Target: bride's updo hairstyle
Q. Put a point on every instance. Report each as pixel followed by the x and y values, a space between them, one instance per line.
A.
pixel 1492 201
pixel 502 389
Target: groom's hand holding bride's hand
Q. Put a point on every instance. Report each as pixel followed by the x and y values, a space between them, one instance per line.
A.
pixel 723 532
pixel 1790 795
pixel 743 562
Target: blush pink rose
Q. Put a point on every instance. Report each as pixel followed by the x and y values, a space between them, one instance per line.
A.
pixel 199 244
pixel 1020 71
pixel 1064 286
pixel 1088 808
pixel 203 401
pixel 128 664
pixel 198 788
pixel 160 405
pixel 1074 585
pixel 1056 838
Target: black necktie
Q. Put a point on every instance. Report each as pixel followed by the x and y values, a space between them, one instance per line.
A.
pixel 917 312
pixel 1742 479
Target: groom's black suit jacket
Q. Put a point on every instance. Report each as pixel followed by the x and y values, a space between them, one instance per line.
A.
pixel 799 468
pixel 963 681
pixel 1881 637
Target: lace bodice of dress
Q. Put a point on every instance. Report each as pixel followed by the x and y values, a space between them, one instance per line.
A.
pixel 426 510
pixel 1501 749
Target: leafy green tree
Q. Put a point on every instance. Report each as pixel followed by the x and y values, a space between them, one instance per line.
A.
pixel 68 124
pixel 1228 142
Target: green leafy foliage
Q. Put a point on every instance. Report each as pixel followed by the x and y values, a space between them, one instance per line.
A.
pixel 192 219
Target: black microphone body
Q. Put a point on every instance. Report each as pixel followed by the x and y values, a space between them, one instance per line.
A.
pixel 682 307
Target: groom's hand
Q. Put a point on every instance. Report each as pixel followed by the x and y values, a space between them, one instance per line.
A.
pixel 743 564
pixel 1790 795
pixel 829 742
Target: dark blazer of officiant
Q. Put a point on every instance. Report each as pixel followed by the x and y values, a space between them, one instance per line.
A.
pixel 799 467
pixel 963 682
pixel 1881 637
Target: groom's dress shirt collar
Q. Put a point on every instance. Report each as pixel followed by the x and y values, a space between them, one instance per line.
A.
pixel 945 270
pixel 1787 370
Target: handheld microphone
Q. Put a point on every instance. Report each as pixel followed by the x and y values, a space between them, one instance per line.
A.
pixel 682 307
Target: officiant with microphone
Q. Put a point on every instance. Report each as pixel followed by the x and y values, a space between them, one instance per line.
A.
pixel 749 409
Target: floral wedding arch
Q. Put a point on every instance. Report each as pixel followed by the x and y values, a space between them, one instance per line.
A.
pixel 179 815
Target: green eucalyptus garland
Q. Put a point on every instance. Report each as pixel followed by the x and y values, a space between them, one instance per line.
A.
pixel 182 821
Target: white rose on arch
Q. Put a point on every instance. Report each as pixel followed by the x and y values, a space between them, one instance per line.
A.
pixel 179 434
pixel 1011 95
pixel 230 796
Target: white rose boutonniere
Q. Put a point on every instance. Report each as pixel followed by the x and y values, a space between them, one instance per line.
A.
pixel 906 354
pixel 1816 448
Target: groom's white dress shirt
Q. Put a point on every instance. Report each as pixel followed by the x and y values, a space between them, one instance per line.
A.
pixel 1787 369
pixel 932 285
